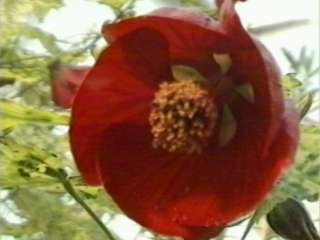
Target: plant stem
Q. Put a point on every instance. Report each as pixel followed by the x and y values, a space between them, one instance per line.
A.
pixel 69 188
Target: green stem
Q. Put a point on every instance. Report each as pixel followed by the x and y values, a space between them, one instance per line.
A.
pixel 69 188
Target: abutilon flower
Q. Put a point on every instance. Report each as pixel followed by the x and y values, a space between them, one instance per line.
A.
pixel 65 81
pixel 183 121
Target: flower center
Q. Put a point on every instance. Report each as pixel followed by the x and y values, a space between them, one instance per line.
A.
pixel 183 117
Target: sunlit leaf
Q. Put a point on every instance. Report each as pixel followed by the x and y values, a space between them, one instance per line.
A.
pixel 247 92
pixel 228 126
pixel 291 59
pixel 51 217
pixel 14 113
pixel 305 104
pixel 290 82
pixel 117 4
pixel 200 5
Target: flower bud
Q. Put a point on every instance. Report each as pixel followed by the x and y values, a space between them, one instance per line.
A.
pixel 291 221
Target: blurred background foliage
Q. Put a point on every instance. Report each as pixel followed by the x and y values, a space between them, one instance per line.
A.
pixel 34 203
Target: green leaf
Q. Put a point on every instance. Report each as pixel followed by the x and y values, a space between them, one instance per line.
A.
pixel 15 13
pixel 202 6
pixel 224 61
pixel 290 82
pixel 291 59
pixel 25 164
pixel 28 166
pixel 117 4
pixel 48 41
pixel 228 126
pixel 291 214
pixel 246 91
pixel 12 114
pixel 6 81
pixel 51 217
pixel 21 9
pixel 313 72
pixel 183 73
pixel 305 104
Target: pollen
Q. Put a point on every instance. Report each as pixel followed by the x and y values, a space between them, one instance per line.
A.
pixel 183 117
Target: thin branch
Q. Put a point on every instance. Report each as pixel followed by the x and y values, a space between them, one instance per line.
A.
pixel 88 47
pixel 278 26
pixel 70 189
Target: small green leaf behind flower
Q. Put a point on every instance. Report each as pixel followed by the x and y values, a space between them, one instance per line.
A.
pixel 295 90
pixel 114 3
pixel 25 165
pixel 228 127
pixel 303 64
pixel 305 104
pixel 247 92
pixel 290 83
pixel 122 8
pixel 13 114
pixel 203 6
pixel 49 216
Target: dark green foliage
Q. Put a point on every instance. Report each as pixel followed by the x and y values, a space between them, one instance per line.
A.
pixel 291 221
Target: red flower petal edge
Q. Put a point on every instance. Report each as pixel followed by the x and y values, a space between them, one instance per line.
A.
pixel 65 81
pixel 188 194
pixel 114 92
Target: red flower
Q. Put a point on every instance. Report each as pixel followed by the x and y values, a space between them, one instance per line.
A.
pixel 65 81
pixel 183 152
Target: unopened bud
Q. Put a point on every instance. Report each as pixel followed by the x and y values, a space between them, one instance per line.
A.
pixel 291 221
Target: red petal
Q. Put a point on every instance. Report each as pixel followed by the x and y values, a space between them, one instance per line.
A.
pixel 232 181
pixel 192 37
pixel 247 176
pixel 252 63
pixel 171 194
pixel 200 233
pixel 119 88
pixel 140 179
pixel 65 82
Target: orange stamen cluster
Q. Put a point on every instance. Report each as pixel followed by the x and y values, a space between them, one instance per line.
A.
pixel 183 117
